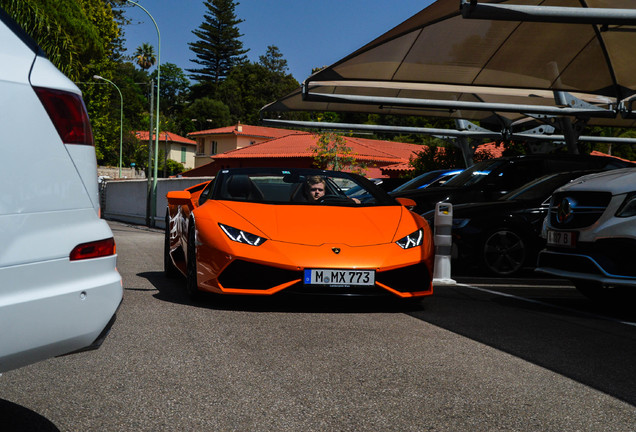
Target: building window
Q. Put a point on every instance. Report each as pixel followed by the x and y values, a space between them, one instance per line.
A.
pixel 183 155
pixel 213 150
pixel 201 146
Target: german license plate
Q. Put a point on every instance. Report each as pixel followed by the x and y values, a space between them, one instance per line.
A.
pixel 339 277
pixel 562 238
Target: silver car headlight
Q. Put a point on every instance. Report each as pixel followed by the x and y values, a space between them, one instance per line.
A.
pixel 412 240
pixel 241 236
pixel 628 208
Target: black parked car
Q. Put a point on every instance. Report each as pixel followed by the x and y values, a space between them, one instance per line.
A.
pixel 491 179
pixel 504 236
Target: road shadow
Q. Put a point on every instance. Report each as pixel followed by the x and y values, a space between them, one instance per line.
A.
pixel 16 418
pixel 569 335
pixel 173 291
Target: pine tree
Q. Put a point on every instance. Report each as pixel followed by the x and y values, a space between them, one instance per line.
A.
pixel 273 60
pixel 219 47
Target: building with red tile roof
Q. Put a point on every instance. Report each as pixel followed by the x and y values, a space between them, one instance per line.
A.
pixel 174 146
pixel 258 146
pixel 295 150
pixel 211 142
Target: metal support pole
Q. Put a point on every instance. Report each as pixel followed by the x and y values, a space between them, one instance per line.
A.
pixel 149 168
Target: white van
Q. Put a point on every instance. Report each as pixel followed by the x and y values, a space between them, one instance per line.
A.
pixel 59 287
pixel 591 234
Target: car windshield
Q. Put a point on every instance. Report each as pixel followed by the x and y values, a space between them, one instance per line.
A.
pixel 542 188
pixel 297 187
pixel 474 174
pixel 431 178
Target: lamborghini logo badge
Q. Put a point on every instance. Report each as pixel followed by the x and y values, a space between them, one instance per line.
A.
pixel 336 250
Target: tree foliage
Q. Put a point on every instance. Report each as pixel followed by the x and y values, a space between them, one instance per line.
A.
pixel 174 88
pixel 250 86
pixel 208 113
pixel 274 61
pixel 433 157
pixel 218 48
pixel 145 56
pixel 332 152
pixel 76 36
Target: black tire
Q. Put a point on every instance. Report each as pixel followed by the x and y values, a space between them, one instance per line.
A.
pixel 504 252
pixel 169 269
pixel 192 285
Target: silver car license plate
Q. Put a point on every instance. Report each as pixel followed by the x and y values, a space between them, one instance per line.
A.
pixel 561 238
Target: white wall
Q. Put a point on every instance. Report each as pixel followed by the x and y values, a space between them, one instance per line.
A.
pixel 125 200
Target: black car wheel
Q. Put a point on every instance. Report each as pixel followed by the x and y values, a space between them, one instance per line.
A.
pixel 192 285
pixel 504 252
pixel 169 268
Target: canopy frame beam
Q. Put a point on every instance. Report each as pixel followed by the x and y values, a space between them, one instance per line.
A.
pixel 587 111
pixel 471 9
pixel 541 133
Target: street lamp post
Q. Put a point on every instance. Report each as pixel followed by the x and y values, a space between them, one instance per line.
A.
pixel 153 199
pixel 121 117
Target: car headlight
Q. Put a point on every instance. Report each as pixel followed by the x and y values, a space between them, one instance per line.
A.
pixel 412 240
pixel 628 208
pixel 241 236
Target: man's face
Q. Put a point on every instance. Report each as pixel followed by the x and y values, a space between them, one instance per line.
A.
pixel 316 191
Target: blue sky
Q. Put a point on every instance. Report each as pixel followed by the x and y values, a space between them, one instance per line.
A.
pixel 308 33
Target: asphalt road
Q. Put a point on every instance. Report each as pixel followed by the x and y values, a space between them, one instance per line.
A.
pixel 517 355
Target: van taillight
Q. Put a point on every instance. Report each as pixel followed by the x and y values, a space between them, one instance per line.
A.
pixel 68 113
pixel 94 249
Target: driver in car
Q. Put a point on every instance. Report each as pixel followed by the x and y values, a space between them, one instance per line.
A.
pixel 315 188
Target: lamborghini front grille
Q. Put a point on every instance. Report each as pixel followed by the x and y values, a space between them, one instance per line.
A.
pixel 247 275
pixel 413 278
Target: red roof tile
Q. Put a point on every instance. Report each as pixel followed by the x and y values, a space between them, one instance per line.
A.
pixel 300 145
pixel 163 136
pixel 402 166
pixel 247 130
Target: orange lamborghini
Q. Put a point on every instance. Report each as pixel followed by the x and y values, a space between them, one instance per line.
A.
pixel 261 231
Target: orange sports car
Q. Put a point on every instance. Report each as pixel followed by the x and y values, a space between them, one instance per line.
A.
pixel 261 231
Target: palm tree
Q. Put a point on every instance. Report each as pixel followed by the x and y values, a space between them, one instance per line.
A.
pixel 145 56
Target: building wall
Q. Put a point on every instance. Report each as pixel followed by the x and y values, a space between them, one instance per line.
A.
pixel 126 200
pixel 174 153
pixel 247 141
pixel 224 143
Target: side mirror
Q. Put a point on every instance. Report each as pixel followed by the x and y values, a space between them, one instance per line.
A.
pixel 179 197
pixel 407 202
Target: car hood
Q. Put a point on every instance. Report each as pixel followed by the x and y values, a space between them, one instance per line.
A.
pixel 615 181
pixel 316 225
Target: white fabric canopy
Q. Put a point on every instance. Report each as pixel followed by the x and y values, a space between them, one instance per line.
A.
pixel 437 55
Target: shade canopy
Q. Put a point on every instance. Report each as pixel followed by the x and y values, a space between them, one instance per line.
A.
pixel 495 70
